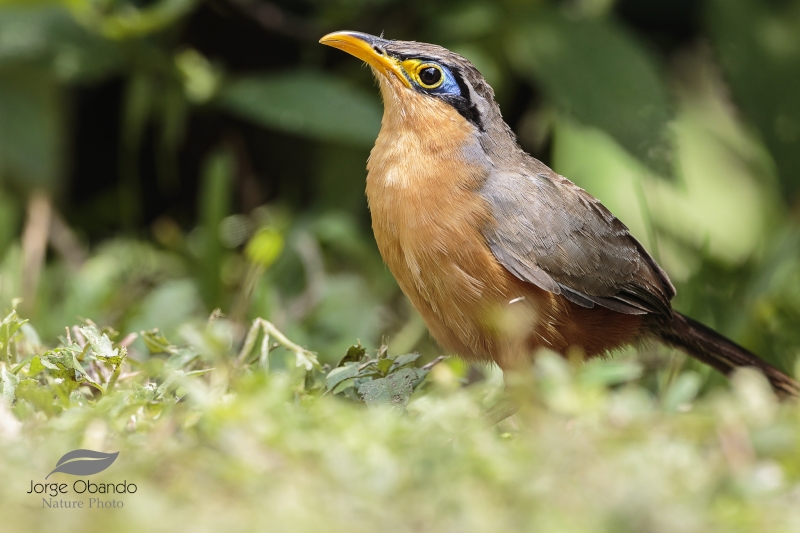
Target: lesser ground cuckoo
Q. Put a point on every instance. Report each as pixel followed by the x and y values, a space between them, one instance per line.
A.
pixel 499 253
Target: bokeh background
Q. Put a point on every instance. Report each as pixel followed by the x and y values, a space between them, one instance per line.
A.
pixel 160 159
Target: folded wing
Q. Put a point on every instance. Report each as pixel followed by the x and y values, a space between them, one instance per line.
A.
pixel 553 234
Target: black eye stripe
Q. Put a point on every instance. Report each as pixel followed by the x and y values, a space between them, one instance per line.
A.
pixel 463 104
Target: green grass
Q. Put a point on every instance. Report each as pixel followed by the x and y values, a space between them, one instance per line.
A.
pixel 219 439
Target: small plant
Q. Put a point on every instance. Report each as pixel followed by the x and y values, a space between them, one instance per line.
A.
pixel 380 380
pixel 88 362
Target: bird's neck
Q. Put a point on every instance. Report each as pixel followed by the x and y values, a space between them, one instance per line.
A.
pixel 424 147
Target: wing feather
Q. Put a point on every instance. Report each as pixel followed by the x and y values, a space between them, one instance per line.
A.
pixel 553 234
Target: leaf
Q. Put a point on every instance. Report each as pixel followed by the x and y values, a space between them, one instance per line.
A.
pixel 200 77
pixel 101 345
pixel 384 365
pixel 10 382
pixel 31 127
pixel 130 20
pixel 181 358
pixel 197 372
pixel 593 71
pixel 340 374
pixel 610 372
pixel 9 327
pixel 307 360
pixel 49 35
pixel 354 354
pixel 84 462
pixel 344 385
pixel 307 103
pixel 405 360
pixel 32 362
pixel 757 44
pixel 393 390
pixel 39 363
pixel 682 391
pixel 156 342
pixel 10 218
pixel 264 247
pixel 162 389
pixel 215 205
pixel 63 363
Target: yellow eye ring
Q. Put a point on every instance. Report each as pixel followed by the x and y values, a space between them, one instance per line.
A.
pixel 429 75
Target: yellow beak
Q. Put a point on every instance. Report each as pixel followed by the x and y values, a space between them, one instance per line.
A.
pixel 367 48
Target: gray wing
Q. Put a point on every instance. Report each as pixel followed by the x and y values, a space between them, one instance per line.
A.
pixel 553 234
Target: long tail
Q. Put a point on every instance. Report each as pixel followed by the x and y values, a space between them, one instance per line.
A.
pixel 708 346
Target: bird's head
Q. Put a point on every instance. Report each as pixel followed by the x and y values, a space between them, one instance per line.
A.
pixel 415 78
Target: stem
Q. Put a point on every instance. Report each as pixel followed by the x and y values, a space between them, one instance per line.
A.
pixel 270 330
pixel 263 361
pixel 434 362
pixel 113 379
pixel 249 342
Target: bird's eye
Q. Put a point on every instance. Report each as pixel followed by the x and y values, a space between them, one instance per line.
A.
pixel 430 76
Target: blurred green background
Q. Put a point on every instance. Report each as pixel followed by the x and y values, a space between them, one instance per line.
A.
pixel 160 159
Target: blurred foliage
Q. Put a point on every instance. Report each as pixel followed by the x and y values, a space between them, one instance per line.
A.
pixel 160 159
pixel 260 439
pixel 762 66
pixel 594 72
pixel 309 104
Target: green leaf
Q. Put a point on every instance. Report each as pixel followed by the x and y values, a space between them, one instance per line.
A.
pixel 101 345
pixel 22 364
pixel 344 385
pixel 63 363
pixel 30 127
pixel 758 46
pixel 264 247
pixel 214 206
pixel 36 366
pixel 307 103
pixel 682 391
pixel 200 77
pixel 181 358
pixel 610 372
pixel 9 327
pixel 307 360
pixel 384 365
pixel 42 362
pixel 157 343
pixel 198 372
pixel 354 354
pixel 404 360
pixel 49 35
pixel 593 71
pixel 10 220
pixel 131 21
pixel 10 382
pixel 393 390
pixel 337 375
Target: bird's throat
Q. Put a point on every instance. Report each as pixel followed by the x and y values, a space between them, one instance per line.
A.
pixel 423 142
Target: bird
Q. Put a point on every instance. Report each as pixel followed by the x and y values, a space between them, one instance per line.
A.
pixel 499 254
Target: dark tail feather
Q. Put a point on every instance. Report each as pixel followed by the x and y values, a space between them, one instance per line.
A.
pixel 708 346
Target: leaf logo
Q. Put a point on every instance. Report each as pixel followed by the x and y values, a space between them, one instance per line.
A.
pixel 84 462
